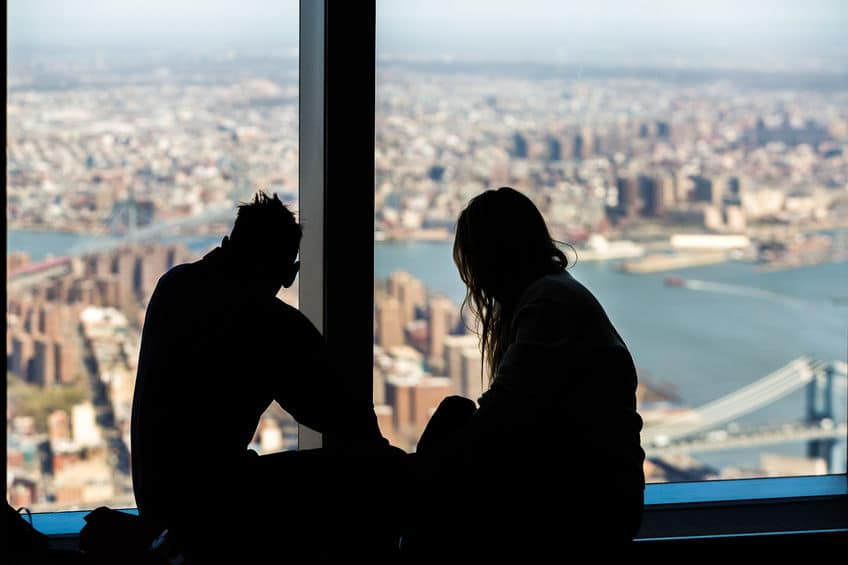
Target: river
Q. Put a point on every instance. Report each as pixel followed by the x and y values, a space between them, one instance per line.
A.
pixel 733 326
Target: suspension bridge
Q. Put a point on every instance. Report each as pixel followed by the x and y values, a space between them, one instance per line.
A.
pixel 703 428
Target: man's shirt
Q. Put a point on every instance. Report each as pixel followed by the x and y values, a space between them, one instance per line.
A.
pixel 212 360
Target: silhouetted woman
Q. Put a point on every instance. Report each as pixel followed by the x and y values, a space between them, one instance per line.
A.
pixel 551 460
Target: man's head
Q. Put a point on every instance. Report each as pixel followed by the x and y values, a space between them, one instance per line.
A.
pixel 265 241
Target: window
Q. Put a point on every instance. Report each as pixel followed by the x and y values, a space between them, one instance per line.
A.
pixel 693 158
pixel 133 130
pixel 335 155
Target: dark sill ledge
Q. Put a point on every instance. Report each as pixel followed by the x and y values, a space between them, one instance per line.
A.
pixel 738 511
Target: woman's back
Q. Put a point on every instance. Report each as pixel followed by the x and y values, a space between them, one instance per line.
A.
pixel 553 452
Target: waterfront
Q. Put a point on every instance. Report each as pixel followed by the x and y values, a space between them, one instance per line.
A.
pixel 753 333
pixel 43 244
pixel 706 341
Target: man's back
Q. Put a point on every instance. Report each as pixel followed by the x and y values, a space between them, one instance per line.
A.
pixel 212 359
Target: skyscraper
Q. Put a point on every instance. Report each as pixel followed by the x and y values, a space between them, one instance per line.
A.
pixel 665 193
pixel 152 264
pixel 49 319
pixel 442 312
pixel 577 147
pixel 44 361
pixel 98 264
pixel 628 196
pixel 22 353
pixel 124 267
pixel 472 375
pixel 587 142
pixel 389 323
pixel 648 195
pixel 703 188
pixel 66 360
pixel 414 297
pixel 554 149
pixel 454 346
pixel 399 397
pixel 519 146
pixel 108 288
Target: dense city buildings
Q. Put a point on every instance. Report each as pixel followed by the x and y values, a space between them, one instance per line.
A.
pixel 621 158
pixel 176 146
pixel 651 172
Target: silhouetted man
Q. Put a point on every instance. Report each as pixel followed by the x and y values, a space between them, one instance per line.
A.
pixel 217 349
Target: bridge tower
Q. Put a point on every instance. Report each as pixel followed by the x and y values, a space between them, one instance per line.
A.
pixel 124 218
pixel 820 408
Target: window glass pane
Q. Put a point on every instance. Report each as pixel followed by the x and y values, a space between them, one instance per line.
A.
pixel 693 156
pixel 133 129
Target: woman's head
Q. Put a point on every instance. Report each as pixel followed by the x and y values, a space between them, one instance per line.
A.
pixel 502 245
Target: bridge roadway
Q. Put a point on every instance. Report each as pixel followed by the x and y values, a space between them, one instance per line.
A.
pixel 796 374
pixel 719 440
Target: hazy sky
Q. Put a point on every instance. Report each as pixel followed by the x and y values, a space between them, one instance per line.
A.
pixel 104 22
pixel 557 30
pixel 494 11
pixel 531 29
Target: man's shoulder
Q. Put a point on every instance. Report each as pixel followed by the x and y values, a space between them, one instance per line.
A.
pixel 178 273
pixel 177 282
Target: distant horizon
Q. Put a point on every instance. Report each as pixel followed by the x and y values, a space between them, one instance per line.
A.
pixel 485 46
pixel 49 68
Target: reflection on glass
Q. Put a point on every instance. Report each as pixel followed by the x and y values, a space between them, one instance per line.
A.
pixel 128 148
pixel 695 160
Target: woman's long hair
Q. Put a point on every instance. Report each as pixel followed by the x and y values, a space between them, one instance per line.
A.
pixel 502 244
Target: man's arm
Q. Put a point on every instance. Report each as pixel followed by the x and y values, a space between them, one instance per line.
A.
pixel 298 366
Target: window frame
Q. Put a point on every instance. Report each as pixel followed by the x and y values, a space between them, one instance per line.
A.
pixel 337 153
pixel 311 169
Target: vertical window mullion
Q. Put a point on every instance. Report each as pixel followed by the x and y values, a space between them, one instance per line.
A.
pixel 337 185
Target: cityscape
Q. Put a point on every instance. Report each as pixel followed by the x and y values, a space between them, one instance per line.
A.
pixel 641 172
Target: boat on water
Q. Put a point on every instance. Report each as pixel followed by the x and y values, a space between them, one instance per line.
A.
pixel 675 281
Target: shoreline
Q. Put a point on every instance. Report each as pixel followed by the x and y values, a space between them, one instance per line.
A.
pixel 649 263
